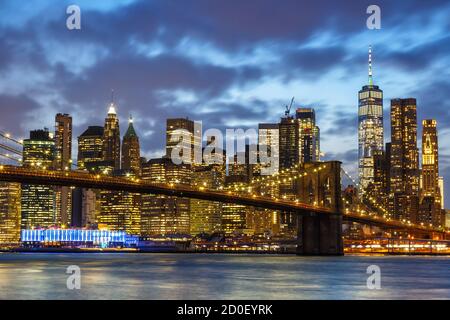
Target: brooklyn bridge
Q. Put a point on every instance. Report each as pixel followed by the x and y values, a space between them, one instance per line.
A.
pixel 318 204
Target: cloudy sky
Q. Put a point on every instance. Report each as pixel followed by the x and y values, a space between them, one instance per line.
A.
pixel 231 64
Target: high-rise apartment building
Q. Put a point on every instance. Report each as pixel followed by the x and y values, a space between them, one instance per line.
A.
pixel 404 175
pixel 38 200
pixel 370 127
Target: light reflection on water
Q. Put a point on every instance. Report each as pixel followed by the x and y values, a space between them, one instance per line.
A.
pixel 220 276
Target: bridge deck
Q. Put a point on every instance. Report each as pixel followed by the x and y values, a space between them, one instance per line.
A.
pixel 86 180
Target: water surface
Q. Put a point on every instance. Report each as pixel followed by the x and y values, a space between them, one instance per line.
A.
pixel 220 276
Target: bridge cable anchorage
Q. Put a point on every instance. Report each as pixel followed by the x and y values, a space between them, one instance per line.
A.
pixel 8 137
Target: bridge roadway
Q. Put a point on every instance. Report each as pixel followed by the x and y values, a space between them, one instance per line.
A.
pixel 87 180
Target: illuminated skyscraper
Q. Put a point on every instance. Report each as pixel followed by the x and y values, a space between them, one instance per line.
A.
pixel 205 216
pixel 63 161
pixel 268 135
pixel 90 146
pixel 370 127
pixel 430 210
pixel 404 184
pixel 63 141
pixel 38 200
pixel 131 158
pixel 289 142
pixel 9 212
pixel 189 132
pixel 111 138
pixel 309 135
pixel 165 215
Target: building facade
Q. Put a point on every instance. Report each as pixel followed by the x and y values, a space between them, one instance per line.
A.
pixel 370 128
pixel 430 195
pixel 9 213
pixel 38 206
pixel 165 215
pixel 404 174
pixel 111 138
pixel 131 154
pixel 63 161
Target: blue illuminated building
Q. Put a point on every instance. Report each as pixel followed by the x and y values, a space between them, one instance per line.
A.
pixel 77 237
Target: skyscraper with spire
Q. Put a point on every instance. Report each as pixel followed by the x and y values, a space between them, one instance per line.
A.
pixel 370 127
pixel 131 157
pixel 111 136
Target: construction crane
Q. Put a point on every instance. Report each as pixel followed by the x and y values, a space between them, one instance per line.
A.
pixel 288 108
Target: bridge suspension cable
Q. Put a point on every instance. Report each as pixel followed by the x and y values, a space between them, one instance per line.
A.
pixel 7 136
pixel 10 149
pixel 7 156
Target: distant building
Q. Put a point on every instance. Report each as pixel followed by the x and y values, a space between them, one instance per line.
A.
pixel 404 176
pixel 111 138
pixel 430 207
pixel 206 216
pixel 165 215
pixel 90 146
pixel 370 127
pixel 189 132
pixel 268 135
pixel 38 200
pixel 9 212
pixel 309 135
pixel 131 156
pixel 63 161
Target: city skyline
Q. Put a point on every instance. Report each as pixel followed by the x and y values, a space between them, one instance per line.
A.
pixel 236 77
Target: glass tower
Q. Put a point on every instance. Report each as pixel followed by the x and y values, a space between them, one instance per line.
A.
pixel 370 127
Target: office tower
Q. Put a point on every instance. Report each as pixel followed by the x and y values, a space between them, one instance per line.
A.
pixel 189 137
pixel 441 189
pixel 379 188
pixel 206 216
pixel 63 161
pixel 430 196
pixel 309 135
pixel 131 158
pixel 37 200
pixel 240 170
pixel 111 138
pixel 84 207
pixel 119 211
pixel 63 142
pixel 90 146
pixel 404 183
pixel 9 213
pixel 234 218
pixel 370 127
pixel 268 135
pixel 165 215
pixel 289 142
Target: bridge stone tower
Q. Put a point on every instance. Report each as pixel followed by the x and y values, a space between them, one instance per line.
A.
pixel 320 233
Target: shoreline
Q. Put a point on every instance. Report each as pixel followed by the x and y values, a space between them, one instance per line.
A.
pixel 164 250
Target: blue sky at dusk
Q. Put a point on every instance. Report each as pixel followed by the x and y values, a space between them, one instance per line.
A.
pixel 231 64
